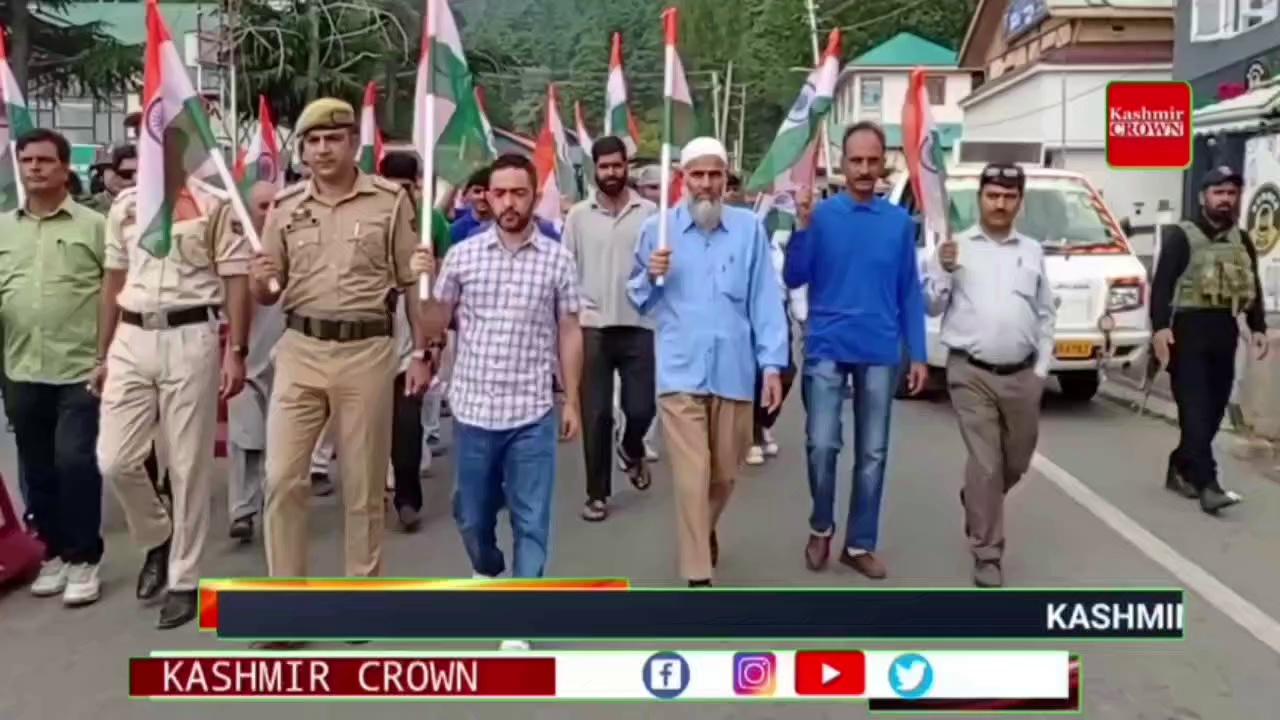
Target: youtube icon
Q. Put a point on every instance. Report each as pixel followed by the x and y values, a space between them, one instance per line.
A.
pixel 831 672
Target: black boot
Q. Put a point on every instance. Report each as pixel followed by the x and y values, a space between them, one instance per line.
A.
pixel 1213 499
pixel 155 572
pixel 1174 482
pixel 179 609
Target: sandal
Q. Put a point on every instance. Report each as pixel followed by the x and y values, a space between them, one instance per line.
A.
pixel 637 471
pixel 595 511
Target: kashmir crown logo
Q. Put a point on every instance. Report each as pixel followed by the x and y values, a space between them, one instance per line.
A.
pixel 1149 125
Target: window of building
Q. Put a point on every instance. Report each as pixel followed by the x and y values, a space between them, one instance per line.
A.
pixel 1221 19
pixel 871 93
pixel 937 89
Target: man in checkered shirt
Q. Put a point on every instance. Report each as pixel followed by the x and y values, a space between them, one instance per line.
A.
pixel 514 294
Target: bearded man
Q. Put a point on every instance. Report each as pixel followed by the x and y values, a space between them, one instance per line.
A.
pixel 713 293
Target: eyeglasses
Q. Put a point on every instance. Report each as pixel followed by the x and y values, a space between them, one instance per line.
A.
pixel 1012 173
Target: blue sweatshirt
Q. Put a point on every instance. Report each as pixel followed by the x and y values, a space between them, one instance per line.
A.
pixel 865 299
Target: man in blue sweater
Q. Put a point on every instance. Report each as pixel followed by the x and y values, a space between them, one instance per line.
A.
pixel 856 253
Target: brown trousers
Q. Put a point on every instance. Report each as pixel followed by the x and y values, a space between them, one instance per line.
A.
pixel 172 375
pixel 707 439
pixel 353 382
pixel 999 419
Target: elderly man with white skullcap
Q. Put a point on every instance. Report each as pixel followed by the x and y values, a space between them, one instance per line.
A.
pixel 717 305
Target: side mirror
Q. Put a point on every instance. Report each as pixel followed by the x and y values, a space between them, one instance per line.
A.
pixel 1126 226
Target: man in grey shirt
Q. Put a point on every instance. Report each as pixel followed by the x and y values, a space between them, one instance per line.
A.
pixel 601 233
pixel 998 313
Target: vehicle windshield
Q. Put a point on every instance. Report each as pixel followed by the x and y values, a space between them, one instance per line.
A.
pixel 1061 213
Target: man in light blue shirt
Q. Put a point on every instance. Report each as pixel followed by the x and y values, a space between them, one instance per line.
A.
pixel 715 300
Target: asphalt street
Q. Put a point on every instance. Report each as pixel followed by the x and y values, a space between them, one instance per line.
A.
pixel 1091 513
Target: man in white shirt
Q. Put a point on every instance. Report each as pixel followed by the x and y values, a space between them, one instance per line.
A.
pixel 989 285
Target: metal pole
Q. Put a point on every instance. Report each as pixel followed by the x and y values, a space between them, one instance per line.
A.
pixel 728 90
pixel 234 22
pixel 742 130
pixel 715 105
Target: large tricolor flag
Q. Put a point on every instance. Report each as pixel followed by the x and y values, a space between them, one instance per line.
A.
pixel 618 120
pixel 173 140
pixel 370 135
pixel 261 162
pixel 789 162
pixel 926 161
pixel 15 120
pixel 550 157
pixel 678 122
pixel 448 127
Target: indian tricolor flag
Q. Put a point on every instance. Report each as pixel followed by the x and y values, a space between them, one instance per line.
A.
pixel 484 121
pixel 678 122
pixel 15 120
pixel 370 136
pixel 174 138
pixel 550 159
pixel 618 120
pixel 794 146
pixel 261 162
pixel 448 127
pixel 926 161
pixel 584 137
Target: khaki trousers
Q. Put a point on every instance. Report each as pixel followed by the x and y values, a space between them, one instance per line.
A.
pixel 174 371
pixel 999 419
pixel 352 381
pixel 706 438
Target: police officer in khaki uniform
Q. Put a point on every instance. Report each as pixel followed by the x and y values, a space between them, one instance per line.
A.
pixel 159 349
pixel 339 246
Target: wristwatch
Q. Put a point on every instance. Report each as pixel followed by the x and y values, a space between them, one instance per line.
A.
pixel 421 354
pixel 241 350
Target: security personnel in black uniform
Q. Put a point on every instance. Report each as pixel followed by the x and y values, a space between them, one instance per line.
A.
pixel 1207 275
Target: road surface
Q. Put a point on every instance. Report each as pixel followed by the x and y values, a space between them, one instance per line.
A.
pixel 1091 513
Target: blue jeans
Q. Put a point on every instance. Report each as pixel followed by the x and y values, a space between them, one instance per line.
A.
pixel 515 467
pixel 824 389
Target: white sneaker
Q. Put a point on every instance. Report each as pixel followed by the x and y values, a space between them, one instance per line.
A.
pixel 83 587
pixel 514 645
pixel 51 580
pixel 770 444
pixel 482 576
pixel 650 452
pixel 755 456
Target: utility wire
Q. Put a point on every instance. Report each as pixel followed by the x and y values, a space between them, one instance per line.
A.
pixel 1048 106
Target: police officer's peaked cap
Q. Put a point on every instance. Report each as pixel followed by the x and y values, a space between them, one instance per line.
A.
pixel 325 114
pixel 1221 175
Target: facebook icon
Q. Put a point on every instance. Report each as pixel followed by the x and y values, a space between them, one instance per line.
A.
pixel 666 675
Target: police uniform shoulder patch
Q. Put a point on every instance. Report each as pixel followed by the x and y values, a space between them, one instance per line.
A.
pixel 385 185
pixel 291 191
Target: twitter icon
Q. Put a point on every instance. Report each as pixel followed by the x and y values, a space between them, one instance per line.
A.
pixel 910 676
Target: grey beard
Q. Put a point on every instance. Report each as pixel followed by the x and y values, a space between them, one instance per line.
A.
pixel 706 213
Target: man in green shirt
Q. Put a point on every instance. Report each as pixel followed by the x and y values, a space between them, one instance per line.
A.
pixel 51 270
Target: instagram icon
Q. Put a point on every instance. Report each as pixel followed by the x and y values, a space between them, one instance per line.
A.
pixel 753 673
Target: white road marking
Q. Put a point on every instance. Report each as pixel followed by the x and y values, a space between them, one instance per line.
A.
pixel 1245 614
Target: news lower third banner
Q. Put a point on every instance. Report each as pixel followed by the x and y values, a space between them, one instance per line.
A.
pixel 1023 680
pixel 609 610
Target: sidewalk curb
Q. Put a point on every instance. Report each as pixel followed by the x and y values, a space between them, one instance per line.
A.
pixel 1119 392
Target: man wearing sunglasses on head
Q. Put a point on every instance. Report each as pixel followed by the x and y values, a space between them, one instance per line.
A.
pixel 989 284
pixel 119 175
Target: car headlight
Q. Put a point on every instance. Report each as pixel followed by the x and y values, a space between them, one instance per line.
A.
pixel 1125 294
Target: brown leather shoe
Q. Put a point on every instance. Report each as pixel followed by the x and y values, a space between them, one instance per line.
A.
pixel 816 552
pixel 866 563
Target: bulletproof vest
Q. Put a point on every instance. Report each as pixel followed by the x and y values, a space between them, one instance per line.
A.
pixel 1219 275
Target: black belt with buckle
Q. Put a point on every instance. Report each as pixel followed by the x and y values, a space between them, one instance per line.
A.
pixel 171 319
pixel 1006 369
pixel 339 330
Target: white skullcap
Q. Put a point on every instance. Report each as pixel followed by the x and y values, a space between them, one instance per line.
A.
pixel 702 147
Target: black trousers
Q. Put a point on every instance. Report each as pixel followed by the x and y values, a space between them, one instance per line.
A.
pixel 629 352
pixel 406 447
pixel 763 418
pixel 56 427
pixel 1201 371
